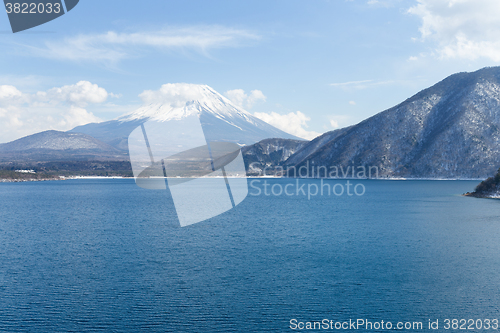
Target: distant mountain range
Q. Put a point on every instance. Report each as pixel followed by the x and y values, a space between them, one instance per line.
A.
pixel 450 130
pixel 58 146
pixel 220 119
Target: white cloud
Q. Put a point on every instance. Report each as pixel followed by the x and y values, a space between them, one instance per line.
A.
pixel 352 103
pixel 466 29
pixel 351 83
pixel 254 97
pixel 292 123
pixel 114 46
pixel 81 93
pixel 77 116
pixel 175 94
pixel 338 121
pixel 9 92
pixel 236 96
pixel 363 84
pixel 59 108
pixel 244 101
pixel 334 124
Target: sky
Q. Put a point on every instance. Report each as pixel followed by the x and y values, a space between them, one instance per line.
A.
pixel 307 67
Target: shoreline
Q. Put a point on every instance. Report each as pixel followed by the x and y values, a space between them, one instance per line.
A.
pixel 267 177
pixel 482 196
pixel 27 180
pixel 249 177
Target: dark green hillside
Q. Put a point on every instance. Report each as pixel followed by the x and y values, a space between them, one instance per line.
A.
pixel 487 188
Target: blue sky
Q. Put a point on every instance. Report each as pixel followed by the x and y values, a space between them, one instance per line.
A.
pixel 312 65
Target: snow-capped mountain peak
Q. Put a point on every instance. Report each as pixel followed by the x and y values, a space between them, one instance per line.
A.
pixel 221 120
pixel 179 100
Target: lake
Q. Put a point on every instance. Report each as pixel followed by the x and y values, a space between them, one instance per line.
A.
pixel 106 255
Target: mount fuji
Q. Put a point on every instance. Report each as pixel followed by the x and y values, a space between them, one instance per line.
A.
pixel 219 117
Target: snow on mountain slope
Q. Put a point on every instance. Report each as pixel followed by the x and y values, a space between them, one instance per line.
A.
pixel 179 100
pixel 450 130
pixel 57 146
pixel 221 120
pixel 55 140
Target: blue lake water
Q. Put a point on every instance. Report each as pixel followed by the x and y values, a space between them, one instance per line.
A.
pixel 106 255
